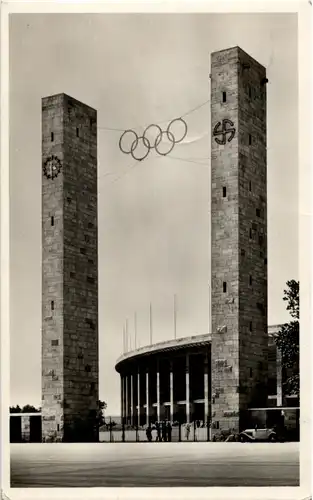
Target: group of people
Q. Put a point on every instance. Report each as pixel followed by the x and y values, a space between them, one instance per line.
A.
pixel 162 431
pixel 197 424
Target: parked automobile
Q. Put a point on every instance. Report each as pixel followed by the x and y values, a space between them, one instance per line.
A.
pixel 258 435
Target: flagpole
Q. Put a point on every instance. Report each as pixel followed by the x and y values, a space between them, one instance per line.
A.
pixel 135 321
pixel 150 324
pixel 175 318
pixel 210 310
pixel 127 340
pixel 123 339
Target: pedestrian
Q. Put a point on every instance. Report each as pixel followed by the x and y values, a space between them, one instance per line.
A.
pixel 164 431
pixel 154 433
pixel 149 433
pixel 187 431
pixel 169 431
pixel 158 429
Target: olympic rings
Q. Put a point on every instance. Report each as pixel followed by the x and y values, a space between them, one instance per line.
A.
pixel 184 134
pixel 171 139
pixel 145 142
pixel 158 138
pixel 132 146
pixel 152 143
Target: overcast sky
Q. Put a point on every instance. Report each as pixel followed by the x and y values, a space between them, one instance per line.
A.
pixel 153 217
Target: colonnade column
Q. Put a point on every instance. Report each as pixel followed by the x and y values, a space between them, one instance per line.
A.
pixel 138 397
pixel 279 392
pixel 187 390
pixel 132 399
pixel 206 388
pixel 122 397
pixel 158 393
pixel 126 399
pixel 147 399
pixel 171 393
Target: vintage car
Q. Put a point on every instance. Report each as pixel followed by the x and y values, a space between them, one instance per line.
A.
pixel 256 435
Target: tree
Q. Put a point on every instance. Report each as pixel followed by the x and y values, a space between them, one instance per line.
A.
pixel 96 414
pixel 102 406
pixel 30 409
pixel 292 297
pixel 287 339
pixel 15 409
pixel 25 409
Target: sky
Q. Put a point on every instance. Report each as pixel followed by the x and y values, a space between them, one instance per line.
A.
pixel 154 215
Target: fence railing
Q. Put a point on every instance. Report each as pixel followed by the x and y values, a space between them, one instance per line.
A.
pixel 116 430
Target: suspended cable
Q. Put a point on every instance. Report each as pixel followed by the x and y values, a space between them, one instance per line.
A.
pixel 188 161
pixel 112 129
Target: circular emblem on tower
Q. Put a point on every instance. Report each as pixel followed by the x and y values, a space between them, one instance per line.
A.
pixel 52 167
pixel 224 129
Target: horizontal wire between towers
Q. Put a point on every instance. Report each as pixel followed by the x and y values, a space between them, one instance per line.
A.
pixel 192 110
pixel 133 165
pixel 188 160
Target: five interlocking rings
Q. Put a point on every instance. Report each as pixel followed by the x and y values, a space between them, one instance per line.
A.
pixel 156 144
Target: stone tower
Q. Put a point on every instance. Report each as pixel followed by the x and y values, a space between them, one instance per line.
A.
pixel 69 270
pixel 239 238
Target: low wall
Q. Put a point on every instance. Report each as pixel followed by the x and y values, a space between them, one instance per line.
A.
pixel 132 436
pixel 25 427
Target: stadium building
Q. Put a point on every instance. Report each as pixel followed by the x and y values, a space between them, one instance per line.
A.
pixel 172 381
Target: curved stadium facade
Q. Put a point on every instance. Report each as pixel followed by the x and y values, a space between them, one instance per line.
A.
pixel 172 381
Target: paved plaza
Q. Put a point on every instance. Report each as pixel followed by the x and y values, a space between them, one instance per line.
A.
pixel 154 464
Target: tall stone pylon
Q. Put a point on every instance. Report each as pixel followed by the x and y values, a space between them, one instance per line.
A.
pixel 69 270
pixel 238 238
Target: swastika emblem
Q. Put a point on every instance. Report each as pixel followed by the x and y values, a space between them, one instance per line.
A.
pixel 223 129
